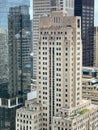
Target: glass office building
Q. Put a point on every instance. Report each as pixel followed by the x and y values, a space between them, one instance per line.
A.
pixel 15 32
pixel 85 9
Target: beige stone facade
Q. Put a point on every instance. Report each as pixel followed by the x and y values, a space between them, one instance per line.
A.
pixel 45 7
pixel 30 116
pixel 59 74
pixel 59 64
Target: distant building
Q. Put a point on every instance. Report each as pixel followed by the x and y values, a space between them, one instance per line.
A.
pixel 85 9
pixel 90 84
pixel 19 48
pixel 4 10
pixel 15 18
pixel 67 6
pixel 3 54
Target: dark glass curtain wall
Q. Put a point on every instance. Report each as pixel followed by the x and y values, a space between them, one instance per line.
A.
pixel 15 62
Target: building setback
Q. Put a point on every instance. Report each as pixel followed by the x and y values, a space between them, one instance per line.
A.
pixel 85 9
pixel 30 116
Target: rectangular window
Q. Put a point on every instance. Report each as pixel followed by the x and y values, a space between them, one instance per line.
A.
pixel 78 23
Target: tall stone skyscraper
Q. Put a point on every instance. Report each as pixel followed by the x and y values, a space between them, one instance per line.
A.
pixel 16 21
pixel 85 9
pixel 59 74
pixel 59 64
pixel 44 7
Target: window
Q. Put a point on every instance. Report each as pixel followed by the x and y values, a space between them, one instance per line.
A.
pixel 65 38
pixel 58 128
pixel 39 57
pixel 78 23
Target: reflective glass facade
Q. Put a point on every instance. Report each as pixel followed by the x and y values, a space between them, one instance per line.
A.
pixel 15 42
pixel 85 9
